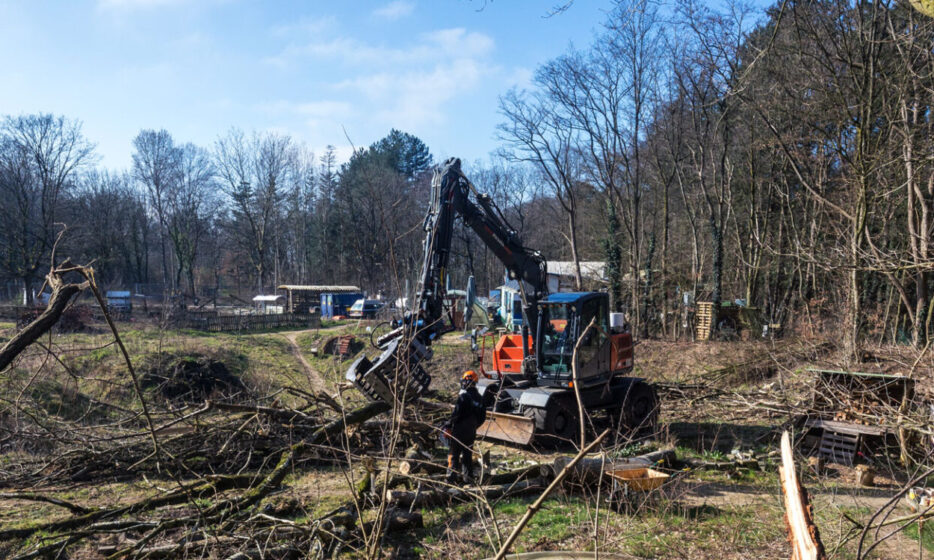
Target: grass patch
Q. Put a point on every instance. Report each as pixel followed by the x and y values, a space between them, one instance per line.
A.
pixel 558 520
pixel 926 536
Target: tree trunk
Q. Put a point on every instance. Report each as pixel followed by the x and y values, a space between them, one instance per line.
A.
pixel 61 296
pixel 716 236
pixel 27 291
pixel 572 224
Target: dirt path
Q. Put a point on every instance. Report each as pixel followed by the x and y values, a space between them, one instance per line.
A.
pixel 315 380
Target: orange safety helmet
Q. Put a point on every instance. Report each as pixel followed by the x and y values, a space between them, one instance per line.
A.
pixel 470 375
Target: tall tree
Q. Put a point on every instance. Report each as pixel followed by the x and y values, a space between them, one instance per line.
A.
pixel 156 167
pixel 537 131
pixel 40 158
pixel 254 173
pixel 191 206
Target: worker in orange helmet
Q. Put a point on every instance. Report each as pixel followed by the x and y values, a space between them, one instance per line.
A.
pixel 468 414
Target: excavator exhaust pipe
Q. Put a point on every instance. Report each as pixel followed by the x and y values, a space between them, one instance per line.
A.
pixel 396 375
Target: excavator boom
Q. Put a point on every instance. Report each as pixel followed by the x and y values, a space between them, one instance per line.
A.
pixel 398 372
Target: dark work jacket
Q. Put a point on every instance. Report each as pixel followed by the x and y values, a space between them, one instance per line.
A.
pixel 467 416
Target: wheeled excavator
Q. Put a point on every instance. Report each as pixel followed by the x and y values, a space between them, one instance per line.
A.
pixel 566 359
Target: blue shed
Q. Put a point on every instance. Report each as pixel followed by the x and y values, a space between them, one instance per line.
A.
pixel 338 304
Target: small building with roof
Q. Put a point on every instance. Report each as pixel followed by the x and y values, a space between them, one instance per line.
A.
pixel 561 276
pixel 269 304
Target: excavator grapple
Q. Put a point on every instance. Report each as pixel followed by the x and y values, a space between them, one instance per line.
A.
pixel 397 374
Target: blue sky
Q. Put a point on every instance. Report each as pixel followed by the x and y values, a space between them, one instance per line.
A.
pixel 312 69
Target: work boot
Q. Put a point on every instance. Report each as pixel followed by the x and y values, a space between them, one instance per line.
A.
pixel 453 467
pixel 468 472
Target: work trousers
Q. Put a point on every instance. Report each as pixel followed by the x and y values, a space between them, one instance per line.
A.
pixel 460 459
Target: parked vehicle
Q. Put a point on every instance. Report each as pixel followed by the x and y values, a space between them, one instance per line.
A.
pixel 365 308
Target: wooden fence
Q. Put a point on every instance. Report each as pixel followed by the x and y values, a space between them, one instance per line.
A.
pixel 13 312
pixel 241 323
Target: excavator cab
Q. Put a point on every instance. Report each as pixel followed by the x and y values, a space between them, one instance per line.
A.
pixel 564 319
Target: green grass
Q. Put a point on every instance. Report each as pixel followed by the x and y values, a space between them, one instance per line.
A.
pixel 558 520
pixel 656 529
pixel 927 534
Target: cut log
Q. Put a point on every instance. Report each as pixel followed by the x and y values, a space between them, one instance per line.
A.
pixel 431 498
pixel 417 461
pixel 590 470
pixel 398 520
pixel 802 532
pixel 545 472
pixel 356 416
pixel 412 467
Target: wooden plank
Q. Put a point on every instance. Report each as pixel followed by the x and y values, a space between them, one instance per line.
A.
pixel 846 427
pixel 803 533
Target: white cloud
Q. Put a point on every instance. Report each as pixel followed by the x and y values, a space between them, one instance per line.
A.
pixel 321 114
pixel 520 77
pixel 324 108
pixel 411 86
pixel 416 98
pixel 305 27
pixel 394 10
pixel 461 42
pixel 317 116
pixel 134 4
pixel 432 46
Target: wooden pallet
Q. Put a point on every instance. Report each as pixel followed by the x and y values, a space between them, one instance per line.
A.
pixel 839 447
pixel 703 320
pixel 344 348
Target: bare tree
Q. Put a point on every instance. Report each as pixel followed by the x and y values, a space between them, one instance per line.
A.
pixel 192 204
pixel 111 227
pixel 40 157
pixel 156 166
pixel 538 132
pixel 255 172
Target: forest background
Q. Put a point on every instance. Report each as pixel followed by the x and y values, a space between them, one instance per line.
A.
pixel 782 158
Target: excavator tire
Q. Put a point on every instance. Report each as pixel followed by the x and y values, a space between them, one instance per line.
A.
pixel 639 412
pixel 559 422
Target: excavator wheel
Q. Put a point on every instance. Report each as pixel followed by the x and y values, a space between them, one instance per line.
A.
pixel 639 412
pixel 559 422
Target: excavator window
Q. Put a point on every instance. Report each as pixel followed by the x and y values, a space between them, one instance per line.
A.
pixel 557 337
pixel 594 309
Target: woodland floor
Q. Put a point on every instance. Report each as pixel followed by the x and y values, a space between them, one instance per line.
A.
pixel 716 397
